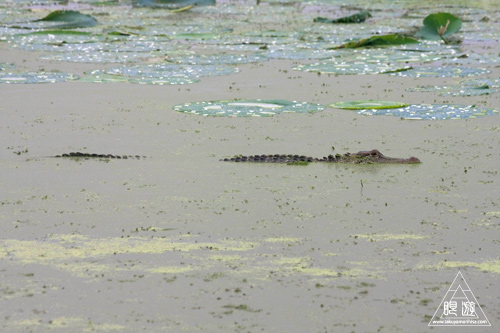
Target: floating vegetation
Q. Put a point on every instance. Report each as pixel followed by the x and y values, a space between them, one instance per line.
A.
pixel 247 108
pixel 386 55
pixel 297 52
pixel 217 59
pixel 54 40
pixel 470 87
pixel 432 112
pixel 351 68
pixel 492 83
pixel 384 40
pixel 355 18
pixel 161 74
pixel 96 57
pixel 369 104
pixel 444 71
pixel 4 66
pixel 41 77
pixel 61 19
pixel 98 76
pixel 172 4
pixel 167 71
pixel 457 90
pixel 440 26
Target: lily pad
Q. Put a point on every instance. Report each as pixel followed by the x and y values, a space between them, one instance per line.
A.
pixel 355 18
pixel 439 26
pixel 35 77
pixel 171 4
pixel 71 19
pixel 384 40
pixel 369 104
pixel 217 59
pixel 164 70
pixel 351 68
pixel 4 66
pixel 456 90
pixel 492 83
pixel 444 71
pixel 96 57
pixel 391 56
pixel 101 77
pixel 432 112
pixel 296 52
pixel 247 108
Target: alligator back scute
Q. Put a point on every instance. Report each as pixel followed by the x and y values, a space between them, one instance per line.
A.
pixel 101 156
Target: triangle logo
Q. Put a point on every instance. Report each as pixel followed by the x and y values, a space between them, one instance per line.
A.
pixel 459 307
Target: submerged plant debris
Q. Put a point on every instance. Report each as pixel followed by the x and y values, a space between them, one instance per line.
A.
pixel 432 112
pixel 247 108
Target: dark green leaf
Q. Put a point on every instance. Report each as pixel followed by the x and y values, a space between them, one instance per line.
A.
pixel 356 18
pixel 71 19
pixel 439 26
pixel 384 40
pixel 171 4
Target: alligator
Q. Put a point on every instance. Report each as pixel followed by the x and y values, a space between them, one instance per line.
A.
pixel 101 156
pixel 362 157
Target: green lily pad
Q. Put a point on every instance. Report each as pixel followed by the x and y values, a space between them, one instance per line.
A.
pixel 71 19
pixel 158 74
pixel 391 56
pixel 456 90
pixel 369 104
pixel 164 70
pixel 41 77
pixel 351 68
pixel 445 71
pixel 297 52
pixel 432 112
pixel 96 57
pixel 171 4
pixel 384 40
pixel 355 18
pixel 101 77
pixel 470 87
pixel 217 59
pixel 247 108
pixel 492 83
pixel 4 66
pixel 439 26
